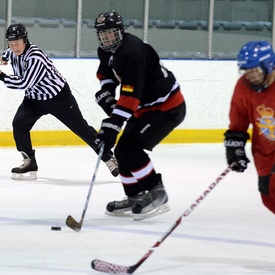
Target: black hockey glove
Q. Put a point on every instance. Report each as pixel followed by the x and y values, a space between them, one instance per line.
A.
pixel 106 101
pixel 108 132
pixel 235 153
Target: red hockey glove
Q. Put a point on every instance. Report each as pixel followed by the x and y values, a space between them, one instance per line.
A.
pixel 108 132
pixel 234 143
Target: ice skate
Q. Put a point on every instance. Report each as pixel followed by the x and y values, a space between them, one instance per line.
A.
pixel 121 208
pixel 26 171
pixel 112 166
pixel 151 203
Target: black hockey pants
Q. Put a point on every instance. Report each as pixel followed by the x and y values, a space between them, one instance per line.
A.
pixel 64 107
pixel 140 134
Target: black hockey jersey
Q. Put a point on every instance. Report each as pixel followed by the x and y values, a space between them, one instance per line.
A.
pixel 145 84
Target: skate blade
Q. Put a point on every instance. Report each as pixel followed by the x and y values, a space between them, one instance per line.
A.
pixel 29 176
pixel 155 212
pixel 126 214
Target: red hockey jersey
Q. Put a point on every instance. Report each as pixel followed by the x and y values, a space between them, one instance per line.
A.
pixel 257 109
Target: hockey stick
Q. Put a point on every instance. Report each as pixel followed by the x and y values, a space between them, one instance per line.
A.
pixel 120 269
pixel 70 221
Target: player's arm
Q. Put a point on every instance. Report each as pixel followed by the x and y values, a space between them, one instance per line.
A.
pixel 236 136
pixel 105 97
pixel 34 72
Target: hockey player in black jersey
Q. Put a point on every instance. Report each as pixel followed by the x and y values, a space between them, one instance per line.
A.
pixel 149 100
pixel 46 92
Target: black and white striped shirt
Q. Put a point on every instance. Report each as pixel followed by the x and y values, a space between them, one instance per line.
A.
pixel 33 72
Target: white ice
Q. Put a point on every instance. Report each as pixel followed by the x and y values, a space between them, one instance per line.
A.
pixel 228 232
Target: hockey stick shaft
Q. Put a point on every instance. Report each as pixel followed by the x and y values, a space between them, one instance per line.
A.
pixel 70 221
pixel 92 183
pixel 119 269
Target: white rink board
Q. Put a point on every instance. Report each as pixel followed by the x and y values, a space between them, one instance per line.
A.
pixel 207 87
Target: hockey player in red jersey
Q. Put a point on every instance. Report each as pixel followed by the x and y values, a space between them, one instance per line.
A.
pixel 151 104
pixel 253 104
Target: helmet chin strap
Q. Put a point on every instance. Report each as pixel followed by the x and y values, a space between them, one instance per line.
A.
pixel 258 88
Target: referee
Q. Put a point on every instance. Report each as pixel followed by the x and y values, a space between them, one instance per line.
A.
pixel 46 92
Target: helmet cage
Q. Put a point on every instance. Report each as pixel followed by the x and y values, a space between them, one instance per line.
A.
pixel 257 54
pixel 110 39
pixel 109 28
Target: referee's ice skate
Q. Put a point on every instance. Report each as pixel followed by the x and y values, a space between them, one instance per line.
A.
pixel 145 205
pixel 26 171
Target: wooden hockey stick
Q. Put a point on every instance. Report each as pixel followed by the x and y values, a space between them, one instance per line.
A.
pixel 70 221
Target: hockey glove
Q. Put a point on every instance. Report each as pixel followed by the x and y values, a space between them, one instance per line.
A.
pixel 235 153
pixel 108 132
pixel 106 101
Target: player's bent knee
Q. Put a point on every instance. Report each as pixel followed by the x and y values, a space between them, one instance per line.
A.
pixel 125 146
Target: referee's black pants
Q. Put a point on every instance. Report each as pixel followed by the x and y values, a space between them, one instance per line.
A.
pixel 64 107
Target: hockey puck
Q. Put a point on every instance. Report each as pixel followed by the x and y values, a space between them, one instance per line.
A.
pixel 56 228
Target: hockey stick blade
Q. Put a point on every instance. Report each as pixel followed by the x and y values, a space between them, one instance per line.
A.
pixel 110 268
pixel 73 224
pixel 70 221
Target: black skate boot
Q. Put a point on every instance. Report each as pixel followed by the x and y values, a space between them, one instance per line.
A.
pixel 151 203
pixel 121 208
pixel 112 166
pixel 26 171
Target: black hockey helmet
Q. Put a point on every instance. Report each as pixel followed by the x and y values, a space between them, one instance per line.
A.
pixel 16 32
pixel 109 20
pixel 109 28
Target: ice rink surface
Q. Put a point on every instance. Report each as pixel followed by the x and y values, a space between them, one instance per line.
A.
pixel 229 232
